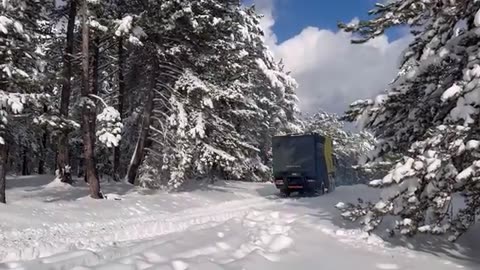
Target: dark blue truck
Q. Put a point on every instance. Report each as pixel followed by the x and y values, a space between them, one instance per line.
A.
pixel 303 163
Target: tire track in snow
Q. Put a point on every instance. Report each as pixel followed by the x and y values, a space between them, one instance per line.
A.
pixel 266 234
pixel 33 243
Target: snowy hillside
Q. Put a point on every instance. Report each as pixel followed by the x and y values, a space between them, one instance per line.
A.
pixel 229 225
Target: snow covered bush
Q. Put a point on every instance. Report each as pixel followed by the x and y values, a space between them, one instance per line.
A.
pixel 428 118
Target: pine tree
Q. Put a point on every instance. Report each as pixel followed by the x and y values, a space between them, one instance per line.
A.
pixel 21 28
pixel 219 77
pixel 428 118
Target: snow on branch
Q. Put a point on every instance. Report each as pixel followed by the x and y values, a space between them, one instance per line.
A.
pixel 126 28
pixel 12 104
pixel 109 128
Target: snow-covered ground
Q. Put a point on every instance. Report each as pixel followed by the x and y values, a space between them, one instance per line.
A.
pixel 229 225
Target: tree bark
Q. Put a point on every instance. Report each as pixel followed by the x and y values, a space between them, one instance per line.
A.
pixel 25 161
pixel 121 99
pixel 88 111
pixel 139 152
pixel 62 158
pixel 3 172
pixel 95 87
pixel 43 156
pixel 43 153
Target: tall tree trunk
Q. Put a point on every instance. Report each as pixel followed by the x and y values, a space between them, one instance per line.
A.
pixel 3 172
pixel 43 154
pixel 95 86
pixel 139 152
pixel 121 98
pixel 62 159
pixel 25 161
pixel 88 111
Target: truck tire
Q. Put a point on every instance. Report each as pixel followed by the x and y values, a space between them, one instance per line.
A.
pixel 332 186
pixel 285 192
pixel 321 190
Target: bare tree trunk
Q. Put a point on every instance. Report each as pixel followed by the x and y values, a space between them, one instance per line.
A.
pixel 139 152
pixel 95 86
pixel 121 99
pixel 25 161
pixel 88 111
pixel 3 172
pixel 62 159
pixel 43 154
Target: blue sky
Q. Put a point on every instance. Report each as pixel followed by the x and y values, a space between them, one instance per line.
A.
pixel 331 72
pixel 291 16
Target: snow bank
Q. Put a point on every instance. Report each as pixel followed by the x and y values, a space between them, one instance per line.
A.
pixel 229 225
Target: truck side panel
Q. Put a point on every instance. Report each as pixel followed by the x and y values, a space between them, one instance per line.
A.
pixel 328 155
pixel 322 170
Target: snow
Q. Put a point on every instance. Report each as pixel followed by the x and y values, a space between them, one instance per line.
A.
pixel 227 225
pixel 434 166
pixel 96 25
pixel 270 74
pixel 4 23
pixel 468 172
pixel 477 19
pixel 451 92
pixel 463 111
pixel 109 127
pixel 124 26
pixel 179 265
pixel 473 144
pixel 341 205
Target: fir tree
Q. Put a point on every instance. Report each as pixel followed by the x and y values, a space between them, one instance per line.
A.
pixel 222 79
pixel 21 27
pixel 428 117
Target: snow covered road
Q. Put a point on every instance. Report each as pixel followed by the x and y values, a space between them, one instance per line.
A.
pixel 226 226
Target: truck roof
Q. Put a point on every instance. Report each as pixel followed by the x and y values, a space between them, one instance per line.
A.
pixel 301 135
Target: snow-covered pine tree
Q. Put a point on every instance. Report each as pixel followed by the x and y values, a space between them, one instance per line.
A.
pixel 21 25
pixel 273 109
pixel 186 104
pixel 228 82
pixel 429 117
pixel 349 147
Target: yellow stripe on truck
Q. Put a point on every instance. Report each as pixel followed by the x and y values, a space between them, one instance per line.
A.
pixel 328 153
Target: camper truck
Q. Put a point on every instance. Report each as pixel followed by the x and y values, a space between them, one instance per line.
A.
pixel 303 163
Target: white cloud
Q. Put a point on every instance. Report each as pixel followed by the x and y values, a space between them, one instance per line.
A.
pixel 330 70
pixel 266 8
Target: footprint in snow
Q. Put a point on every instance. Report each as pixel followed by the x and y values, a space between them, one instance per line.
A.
pixel 180 265
pixel 223 246
pixel 275 215
pixel 280 243
pixel 387 266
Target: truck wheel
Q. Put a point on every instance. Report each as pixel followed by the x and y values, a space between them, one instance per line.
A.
pixel 322 189
pixel 286 193
pixel 331 185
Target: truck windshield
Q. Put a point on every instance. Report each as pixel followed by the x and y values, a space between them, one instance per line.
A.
pixel 294 154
